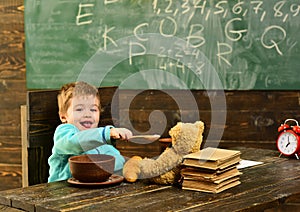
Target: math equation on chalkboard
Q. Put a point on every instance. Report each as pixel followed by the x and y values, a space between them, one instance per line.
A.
pixel 155 44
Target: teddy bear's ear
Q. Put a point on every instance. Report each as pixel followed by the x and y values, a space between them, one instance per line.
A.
pixel 200 125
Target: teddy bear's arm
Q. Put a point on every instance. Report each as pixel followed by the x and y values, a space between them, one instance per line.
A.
pixel 131 169
pixel 165 162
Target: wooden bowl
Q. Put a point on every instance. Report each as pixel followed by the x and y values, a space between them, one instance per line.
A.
pixel 92 167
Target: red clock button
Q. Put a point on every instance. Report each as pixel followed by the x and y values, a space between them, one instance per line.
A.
pixel 296 129
pixel 283 127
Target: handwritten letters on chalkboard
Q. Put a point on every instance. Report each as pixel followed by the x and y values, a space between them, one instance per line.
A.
pixel 198 44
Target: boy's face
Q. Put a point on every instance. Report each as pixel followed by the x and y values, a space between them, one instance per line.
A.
pixel 83 112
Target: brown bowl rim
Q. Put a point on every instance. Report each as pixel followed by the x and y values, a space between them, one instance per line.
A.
pixel 109 158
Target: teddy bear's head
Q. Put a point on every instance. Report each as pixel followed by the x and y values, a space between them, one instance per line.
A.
pixel 187 137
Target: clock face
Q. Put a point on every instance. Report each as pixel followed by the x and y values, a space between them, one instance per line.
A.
pixel 287 143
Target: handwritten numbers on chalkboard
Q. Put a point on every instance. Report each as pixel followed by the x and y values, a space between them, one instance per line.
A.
pixel 282 6
pixel 237 8
pixel 278 9
pixel 186 7
pixel 258 6
pixel 295 9
pixel 220 9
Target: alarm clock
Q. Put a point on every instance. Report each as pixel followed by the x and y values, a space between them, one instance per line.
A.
pixel 288 141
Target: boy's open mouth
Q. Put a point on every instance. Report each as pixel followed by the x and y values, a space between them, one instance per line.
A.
pixel 86 124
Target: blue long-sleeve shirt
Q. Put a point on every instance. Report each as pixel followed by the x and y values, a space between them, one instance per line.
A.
pixel 70 141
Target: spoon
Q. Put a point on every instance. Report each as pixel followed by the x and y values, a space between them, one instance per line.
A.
pixel 144 139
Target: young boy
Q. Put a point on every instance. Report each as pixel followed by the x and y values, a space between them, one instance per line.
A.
pixel 79 112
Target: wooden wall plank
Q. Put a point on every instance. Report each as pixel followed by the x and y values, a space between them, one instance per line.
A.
pixel 24 140
pixel 10 176
pixel 12 91
pixel 250 115
pixel 10 155
pixel 252 119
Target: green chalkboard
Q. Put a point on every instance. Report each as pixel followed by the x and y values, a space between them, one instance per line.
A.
pixel 195 44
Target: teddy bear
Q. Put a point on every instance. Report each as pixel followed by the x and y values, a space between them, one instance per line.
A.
pixel 186 138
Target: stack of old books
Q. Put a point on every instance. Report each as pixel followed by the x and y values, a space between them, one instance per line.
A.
pixel 211 170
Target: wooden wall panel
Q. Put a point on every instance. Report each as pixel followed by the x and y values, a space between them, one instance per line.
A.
pixel 252 119
pixel 10 150
pixel 250 115
pixel 10 176
pixel 12 91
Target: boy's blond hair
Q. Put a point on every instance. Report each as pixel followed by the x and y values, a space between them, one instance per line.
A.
pixel 70 90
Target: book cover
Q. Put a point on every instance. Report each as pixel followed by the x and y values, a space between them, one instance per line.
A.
pixel 193 174
pixel 208 171
pixel 196 185
pixel 212 158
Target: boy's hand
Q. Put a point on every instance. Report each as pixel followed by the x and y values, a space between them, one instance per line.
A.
pixel 120 133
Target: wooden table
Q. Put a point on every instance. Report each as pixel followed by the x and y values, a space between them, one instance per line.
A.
pixel 263 186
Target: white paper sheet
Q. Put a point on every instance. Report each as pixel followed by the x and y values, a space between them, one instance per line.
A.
pixel 248 163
